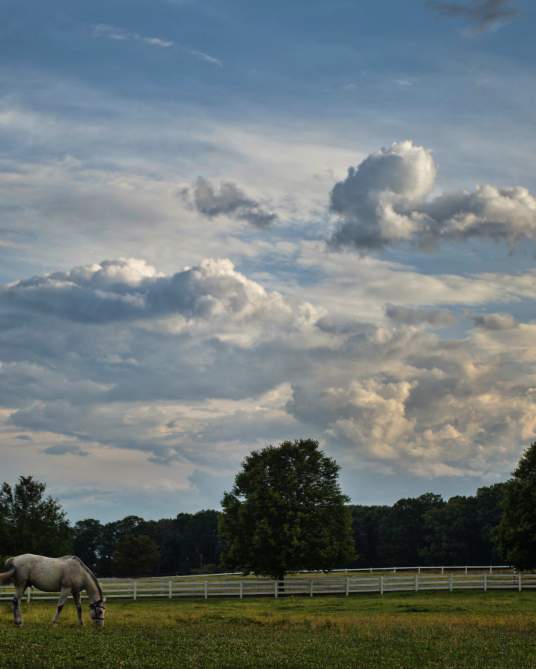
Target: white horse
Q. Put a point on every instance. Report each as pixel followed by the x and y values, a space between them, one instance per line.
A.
pixel 67 575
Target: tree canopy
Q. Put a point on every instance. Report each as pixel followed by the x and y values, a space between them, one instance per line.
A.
pixel 286 512
pixel 31 522
pixel 517 529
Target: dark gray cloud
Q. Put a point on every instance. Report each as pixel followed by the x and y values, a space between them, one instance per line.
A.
pixel 66 449
pixel 412 316
pixel 495 321
pixel 385 201
pixel 229 200
pixel 484 14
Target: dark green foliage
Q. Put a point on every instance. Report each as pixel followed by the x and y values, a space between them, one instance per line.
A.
pixel 186 543
pixel 87 542
pixel 429 531
pixel 286 512
pixel 517 530
pixel 367 528
pixel 136 556
pixel 404 530
pixel 31 522
pixel 453 532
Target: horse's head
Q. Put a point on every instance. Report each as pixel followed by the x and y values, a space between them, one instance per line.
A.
pixel 97 611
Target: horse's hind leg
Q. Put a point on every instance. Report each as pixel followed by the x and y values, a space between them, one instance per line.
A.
pixel 64 594
pixel 78 604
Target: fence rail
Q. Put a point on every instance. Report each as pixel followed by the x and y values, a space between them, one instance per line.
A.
pixel 173 588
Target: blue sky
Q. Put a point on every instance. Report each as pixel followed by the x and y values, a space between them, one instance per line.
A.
pixel 188 270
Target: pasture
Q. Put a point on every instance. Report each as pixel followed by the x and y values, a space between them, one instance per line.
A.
pixel 398 630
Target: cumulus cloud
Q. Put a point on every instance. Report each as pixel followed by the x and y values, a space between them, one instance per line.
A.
pixel 229 200
pixel 384 201
pixel 484 14
pixel 130 289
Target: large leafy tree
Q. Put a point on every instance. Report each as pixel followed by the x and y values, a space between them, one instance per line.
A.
pixel 88 540
pixel 135 556
pixel 286 512
pixel 517 530
pixel 403 530
pixel 32 522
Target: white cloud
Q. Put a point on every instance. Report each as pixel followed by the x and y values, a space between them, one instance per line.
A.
pixel 201 55
pixel 384 202
pixel 129 289
pixel 121 35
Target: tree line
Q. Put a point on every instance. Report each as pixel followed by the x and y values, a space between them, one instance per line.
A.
pixel 286 512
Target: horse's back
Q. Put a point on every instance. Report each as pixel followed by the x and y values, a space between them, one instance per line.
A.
pixel 45 573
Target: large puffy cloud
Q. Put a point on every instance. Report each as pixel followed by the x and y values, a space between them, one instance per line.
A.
pixel 375 196
pixel 130 289
pixel 384 201
pixel 229 200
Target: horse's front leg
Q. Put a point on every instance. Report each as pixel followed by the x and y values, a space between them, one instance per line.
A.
pixel 78 603
pixel 17 613
pixel 64 594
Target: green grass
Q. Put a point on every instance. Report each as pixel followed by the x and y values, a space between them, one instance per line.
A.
pixel 439 630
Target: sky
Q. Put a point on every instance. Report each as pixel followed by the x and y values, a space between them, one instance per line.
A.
pixel 228 223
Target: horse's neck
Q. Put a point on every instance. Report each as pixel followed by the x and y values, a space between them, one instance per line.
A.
pixel 92 589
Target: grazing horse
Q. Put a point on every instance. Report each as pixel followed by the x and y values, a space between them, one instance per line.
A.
pixel 67 575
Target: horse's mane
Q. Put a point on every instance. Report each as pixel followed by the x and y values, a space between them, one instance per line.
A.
pixel 88 570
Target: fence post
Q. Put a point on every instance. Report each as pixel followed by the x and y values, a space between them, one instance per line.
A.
pixel 276 588
pixel 491 569
pixel 241 590
pixel 29 595
pixel 416 582
pixel 206 590
pixel 466 570
pixel 451 583
pixel 442 571
pixel 519 582
pixel 381 585
pixel 485 583
pixel 347 586
pixel 311 588
pixel 170 589
pixel 418 570
pixel 135 591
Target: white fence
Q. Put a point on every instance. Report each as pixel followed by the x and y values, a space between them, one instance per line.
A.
pixel 174 588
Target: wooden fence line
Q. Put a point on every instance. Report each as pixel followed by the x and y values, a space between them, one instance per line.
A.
pixel 327 585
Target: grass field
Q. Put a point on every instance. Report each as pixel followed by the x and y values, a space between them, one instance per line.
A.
pixel 437 630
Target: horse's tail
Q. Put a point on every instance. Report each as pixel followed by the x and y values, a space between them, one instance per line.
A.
pixel 7 576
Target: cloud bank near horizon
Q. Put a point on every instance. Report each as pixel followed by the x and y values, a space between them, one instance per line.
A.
pixel 194 369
